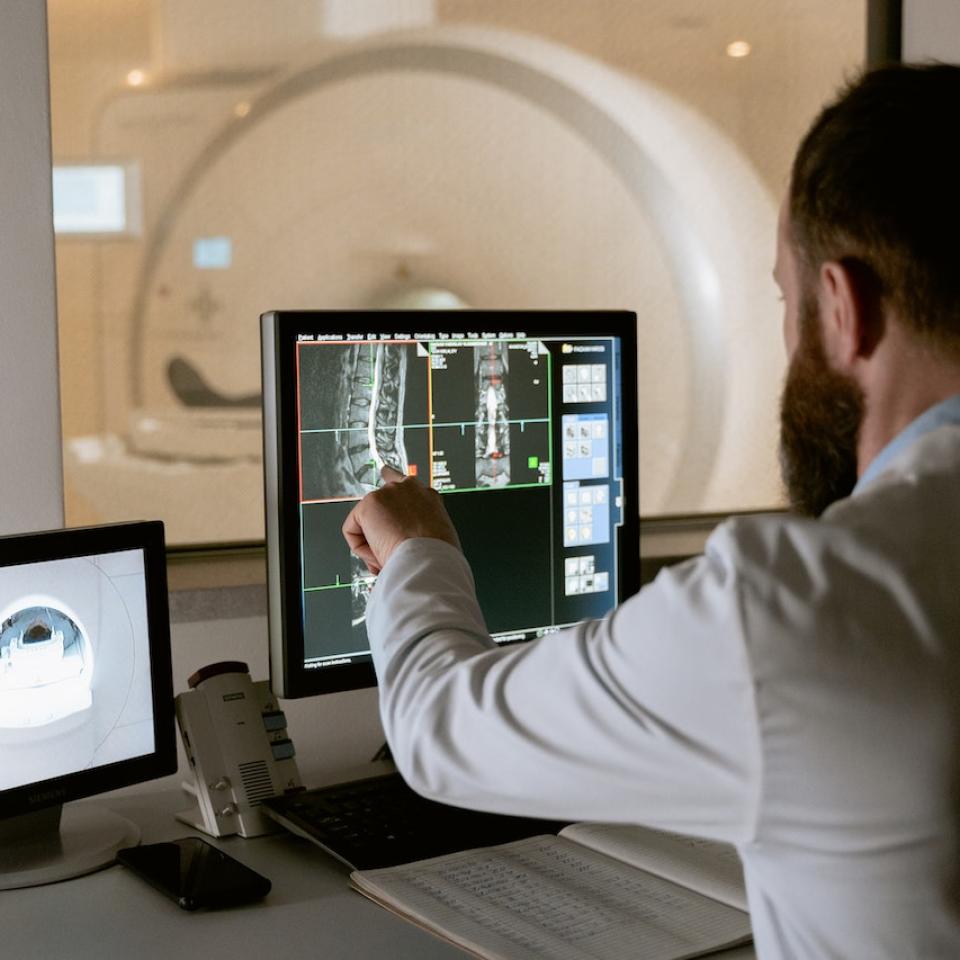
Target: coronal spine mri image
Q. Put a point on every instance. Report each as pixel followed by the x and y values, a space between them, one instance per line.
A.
pixel 490 414
pixel 493 417
pixel 41 646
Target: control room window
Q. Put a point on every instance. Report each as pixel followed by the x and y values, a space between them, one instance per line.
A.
pixel 215 159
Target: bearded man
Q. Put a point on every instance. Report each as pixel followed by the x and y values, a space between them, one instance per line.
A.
pixel 793 691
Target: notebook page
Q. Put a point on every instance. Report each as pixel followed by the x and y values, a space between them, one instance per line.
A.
pixel 548 897
pixel 710 867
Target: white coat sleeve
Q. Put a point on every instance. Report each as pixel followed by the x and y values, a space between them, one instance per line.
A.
pixel 644 717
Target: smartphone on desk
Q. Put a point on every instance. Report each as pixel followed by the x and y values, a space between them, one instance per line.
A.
pixel 195 873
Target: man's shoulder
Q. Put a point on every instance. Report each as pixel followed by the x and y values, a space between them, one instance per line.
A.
pixel 796 570
pixel 885 561
pixel 916 499
pixel 766 543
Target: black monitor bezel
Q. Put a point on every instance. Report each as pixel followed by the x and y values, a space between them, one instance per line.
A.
pixel 279 333
pixel 147 536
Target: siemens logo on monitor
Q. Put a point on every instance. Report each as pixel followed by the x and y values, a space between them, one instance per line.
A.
pixel 46 797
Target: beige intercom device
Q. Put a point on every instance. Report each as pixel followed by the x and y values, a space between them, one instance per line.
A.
pixel 235 737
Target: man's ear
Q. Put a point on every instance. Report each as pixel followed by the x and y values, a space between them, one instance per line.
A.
pixel 850 311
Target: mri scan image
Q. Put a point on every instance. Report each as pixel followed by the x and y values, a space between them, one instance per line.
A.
pixel 491 363
pixel 357 405
pixel 42 647
pixel 75 688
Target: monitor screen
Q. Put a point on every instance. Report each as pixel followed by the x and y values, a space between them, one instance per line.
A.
pixel 526 424
pixel 96 199
pixel 86 698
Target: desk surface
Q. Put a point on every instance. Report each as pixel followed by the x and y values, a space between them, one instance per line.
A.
pixel 310 912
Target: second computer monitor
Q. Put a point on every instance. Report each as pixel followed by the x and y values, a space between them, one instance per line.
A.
pixel 525 422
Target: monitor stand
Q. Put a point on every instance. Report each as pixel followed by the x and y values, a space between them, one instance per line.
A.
pixel 43 847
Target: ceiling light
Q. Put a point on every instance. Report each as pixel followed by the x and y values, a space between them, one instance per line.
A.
pixel 738 49
pixel 136 78
pixel 241 109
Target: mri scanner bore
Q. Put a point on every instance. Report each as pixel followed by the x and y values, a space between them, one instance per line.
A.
pixel 73 666
pixel 46 663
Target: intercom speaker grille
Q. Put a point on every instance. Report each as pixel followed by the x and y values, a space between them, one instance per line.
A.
pixel 256 781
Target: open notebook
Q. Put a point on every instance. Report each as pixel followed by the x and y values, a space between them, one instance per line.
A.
pixel 595 891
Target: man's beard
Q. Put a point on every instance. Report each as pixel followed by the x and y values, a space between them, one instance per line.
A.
pixel 821 411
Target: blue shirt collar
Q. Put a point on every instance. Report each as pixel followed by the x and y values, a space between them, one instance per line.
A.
pixel 947 412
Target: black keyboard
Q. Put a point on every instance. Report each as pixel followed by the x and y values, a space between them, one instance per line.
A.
pixel 381 822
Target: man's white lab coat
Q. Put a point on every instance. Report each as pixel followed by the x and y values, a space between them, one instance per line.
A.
pixel 793 691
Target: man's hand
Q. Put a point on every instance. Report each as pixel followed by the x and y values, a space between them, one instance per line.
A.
pixel 401 509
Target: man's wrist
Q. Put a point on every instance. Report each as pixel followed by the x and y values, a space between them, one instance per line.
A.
pixel 419 538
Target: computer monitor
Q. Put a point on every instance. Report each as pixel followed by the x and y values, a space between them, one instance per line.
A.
pixel 86 693
pixel 525 422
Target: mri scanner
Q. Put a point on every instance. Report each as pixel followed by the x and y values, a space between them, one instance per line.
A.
pixel 447 165
pixel 46 663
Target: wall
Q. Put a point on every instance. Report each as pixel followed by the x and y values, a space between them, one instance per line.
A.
pixel 31 480
pixel 358 222
pixel 931 30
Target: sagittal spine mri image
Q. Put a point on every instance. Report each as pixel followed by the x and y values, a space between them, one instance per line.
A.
pixel 353 415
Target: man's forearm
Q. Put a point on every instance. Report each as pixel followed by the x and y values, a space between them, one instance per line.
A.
pixel 644 716
pixel 423 618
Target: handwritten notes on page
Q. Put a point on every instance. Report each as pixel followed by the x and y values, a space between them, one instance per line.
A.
pixel 706 866
pixel 551 897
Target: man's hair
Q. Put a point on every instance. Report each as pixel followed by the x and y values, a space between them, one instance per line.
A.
pixel 876 181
